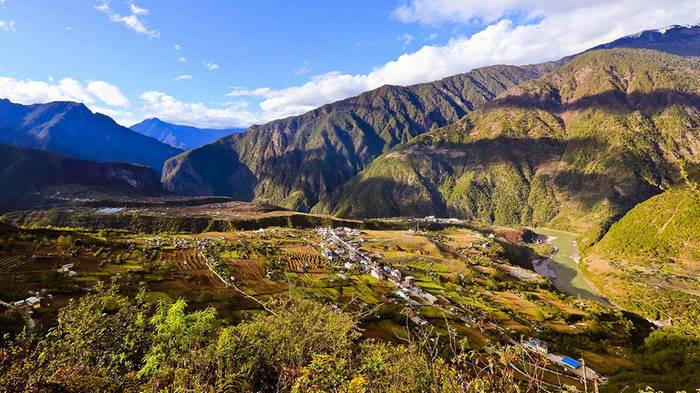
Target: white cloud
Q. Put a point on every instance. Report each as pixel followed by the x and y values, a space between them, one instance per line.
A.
pixel 183 77
pixel 7 25
pixel 182 59
pixel 95 94
pixel 431 36
pixel 406 39
pixel 559 29
pixel 136 10
pixel 107 93
pixel 210 66
pixel 168 108
pixel 133 21
pixel 433 12
pixel 177 47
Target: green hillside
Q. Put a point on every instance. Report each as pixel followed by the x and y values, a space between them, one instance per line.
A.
pixel 573 150
pixel 649 261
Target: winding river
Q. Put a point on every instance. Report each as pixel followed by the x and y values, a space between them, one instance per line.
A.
pixel 564 265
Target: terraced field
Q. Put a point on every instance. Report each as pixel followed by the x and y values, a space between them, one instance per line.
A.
pixel 248 269
pixel 11 262
pixel 305 259
pixel 186 260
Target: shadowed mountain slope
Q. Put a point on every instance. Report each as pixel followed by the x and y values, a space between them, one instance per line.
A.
pixel 29 177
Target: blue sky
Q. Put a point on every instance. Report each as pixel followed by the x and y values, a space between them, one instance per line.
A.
pixel 233 63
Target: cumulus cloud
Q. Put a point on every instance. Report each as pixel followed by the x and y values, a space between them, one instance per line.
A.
pixel 95 94
pixel 107 93
pixel 210 66
pixel 7 25
pixel 132 21
pixel 168 108
pixel 549 31
pixel 182 59
pixel 177 47
pixel 183 77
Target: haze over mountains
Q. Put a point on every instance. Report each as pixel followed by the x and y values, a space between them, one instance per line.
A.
pixel 179 136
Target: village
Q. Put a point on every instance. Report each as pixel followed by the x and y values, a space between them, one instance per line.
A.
pixel 343 246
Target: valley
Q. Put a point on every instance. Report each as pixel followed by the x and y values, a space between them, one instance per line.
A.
pixel 457 280
pixel 530 228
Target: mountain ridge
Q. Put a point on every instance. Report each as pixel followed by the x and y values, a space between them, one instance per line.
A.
pixel 574 149
pixel 296 161
pixel 71 129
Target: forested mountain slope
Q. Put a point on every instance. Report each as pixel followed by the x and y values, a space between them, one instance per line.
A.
pixel 296 161
pixel 649 261
pixel 575 149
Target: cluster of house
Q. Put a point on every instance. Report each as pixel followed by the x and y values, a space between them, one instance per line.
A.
pixel 67 269
pixel 342 245
pixel 433 219
pixel 32 301
pixel 570 365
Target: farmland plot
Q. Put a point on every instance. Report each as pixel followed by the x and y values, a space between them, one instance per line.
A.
pixel 304 259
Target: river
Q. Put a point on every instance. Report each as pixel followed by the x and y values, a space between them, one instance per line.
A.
pixel 564 263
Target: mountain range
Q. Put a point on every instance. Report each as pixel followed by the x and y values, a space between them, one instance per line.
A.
pixel 574 149
pixel 683 40
pixel 179 136
pixel 297 161
pixel 302 160
pixel 71 129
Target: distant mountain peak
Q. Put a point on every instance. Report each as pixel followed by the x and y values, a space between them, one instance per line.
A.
pixel 180 136
pixel 681 40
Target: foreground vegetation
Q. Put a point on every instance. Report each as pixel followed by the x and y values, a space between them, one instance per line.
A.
pixel 108 342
